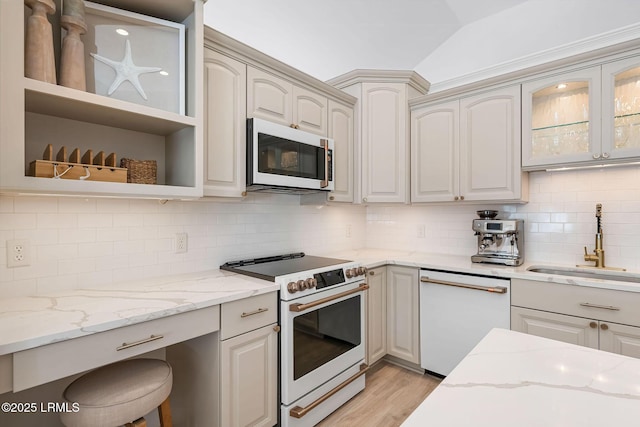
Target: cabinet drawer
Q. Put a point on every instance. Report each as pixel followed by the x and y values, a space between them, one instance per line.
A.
pixel 248 314
pixel 41 365
pixel 593 303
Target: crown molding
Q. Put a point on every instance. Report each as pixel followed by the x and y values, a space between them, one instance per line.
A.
pixel 409 77
pixel 233 48
pixel 593 47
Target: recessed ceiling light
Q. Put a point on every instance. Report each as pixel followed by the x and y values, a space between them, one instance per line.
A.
pixel 164 73
pixel 561 86
pixel 122 32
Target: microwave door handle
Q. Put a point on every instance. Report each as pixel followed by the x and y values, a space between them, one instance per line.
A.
pixel 324 143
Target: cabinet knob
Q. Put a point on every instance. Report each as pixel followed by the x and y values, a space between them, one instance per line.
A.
pixel 244 194
pixel 276 328
pixel 605 155
pixel 373 273
pixel 364 199
pixel 461 197
pixel 604 326
pixel 596 156
pixel 593 325
pixel 332 198
pixel 456 198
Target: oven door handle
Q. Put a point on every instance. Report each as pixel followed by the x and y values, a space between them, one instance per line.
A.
pixel 298 412
pixel 324 143
pixel 302 307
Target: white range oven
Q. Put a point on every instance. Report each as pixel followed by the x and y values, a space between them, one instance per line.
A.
pixel 322 339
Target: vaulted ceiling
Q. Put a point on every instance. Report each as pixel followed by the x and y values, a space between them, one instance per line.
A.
pixel 440 39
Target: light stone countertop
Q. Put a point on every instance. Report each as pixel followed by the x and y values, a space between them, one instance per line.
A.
pixel 372 258
pixel 28 322
pixel 514 379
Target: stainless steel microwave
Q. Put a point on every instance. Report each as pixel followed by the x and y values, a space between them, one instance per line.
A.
pixel 284 159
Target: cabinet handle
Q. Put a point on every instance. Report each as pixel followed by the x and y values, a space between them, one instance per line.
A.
pixel 604 307
pixel 604 326
pixel 142 341
pixel 593 325
pixel 605 155
pixel 596 156
pixel 251 313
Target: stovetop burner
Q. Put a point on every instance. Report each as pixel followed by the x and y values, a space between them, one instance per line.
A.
pixel 269 268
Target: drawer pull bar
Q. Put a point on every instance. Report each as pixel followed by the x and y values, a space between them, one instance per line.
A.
pixel 251 313
pixel 298 412
pixel 604 307
pixel 302 307
pixel 142 341
pixel 493 289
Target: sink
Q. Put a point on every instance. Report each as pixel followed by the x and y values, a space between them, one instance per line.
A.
pixel 619 276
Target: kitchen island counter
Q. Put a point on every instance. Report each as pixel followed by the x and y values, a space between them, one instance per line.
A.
pixel 511 379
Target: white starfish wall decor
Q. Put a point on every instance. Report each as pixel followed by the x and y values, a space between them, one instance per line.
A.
pixel 126 70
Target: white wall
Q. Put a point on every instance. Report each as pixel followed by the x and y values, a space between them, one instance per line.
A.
pixel 83 242
pixel 559 219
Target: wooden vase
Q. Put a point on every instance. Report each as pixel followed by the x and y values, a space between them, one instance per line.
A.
pixel 39 61
pixel 72 70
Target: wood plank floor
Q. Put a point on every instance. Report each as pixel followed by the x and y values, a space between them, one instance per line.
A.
pixel 391 394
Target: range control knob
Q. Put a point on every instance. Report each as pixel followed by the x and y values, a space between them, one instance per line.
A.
pixel 350 272
pixel 292 287
pixel 362 271
pixel 311 283
pixel 301 285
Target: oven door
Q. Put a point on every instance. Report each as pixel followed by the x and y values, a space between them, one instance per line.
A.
pixel 285 157
pixel 322 336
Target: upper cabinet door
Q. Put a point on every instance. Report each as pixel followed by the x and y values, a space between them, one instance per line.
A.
pixel 621 109
pixel 385 166
pixel 561 119
pixel 342 132
pixel 435 153
pixel 309 111
pixel 225 83
pixel 269 97
pixel 490 146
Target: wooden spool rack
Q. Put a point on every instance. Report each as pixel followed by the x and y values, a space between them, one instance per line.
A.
pixel 88 167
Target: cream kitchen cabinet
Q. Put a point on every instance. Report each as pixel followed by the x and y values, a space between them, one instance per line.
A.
pixel 280 101
pixel 598 318
pixel 225 89
pixel 468 149
pixel 403 323
pixel 382 132
pixel 376 314
pixel 582 117
pixel 341 130
pixel 35 113
pixel 249 362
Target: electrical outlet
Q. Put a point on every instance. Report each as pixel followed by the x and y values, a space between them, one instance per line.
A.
pixel 348 231
pixel 181 243
pixel 18 253
pixel 420 231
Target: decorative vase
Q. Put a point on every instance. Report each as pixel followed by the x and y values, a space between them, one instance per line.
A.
pixel 72 71
pixel 39 61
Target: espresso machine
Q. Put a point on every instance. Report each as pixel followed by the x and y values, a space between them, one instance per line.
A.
pixel 500 241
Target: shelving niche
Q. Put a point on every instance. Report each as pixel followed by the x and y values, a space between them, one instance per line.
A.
pixel 35 113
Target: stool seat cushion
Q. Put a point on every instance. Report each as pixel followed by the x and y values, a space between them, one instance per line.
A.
pixel 118 393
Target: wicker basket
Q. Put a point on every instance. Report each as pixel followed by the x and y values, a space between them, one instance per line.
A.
pixel 140 171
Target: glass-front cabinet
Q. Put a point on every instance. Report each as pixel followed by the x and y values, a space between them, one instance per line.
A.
pixel 586 116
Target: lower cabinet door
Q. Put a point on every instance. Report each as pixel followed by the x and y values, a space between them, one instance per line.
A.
pixel 248 378
pixel 620 339
pixel 559 327
pixel 376 314
pixel 403 335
